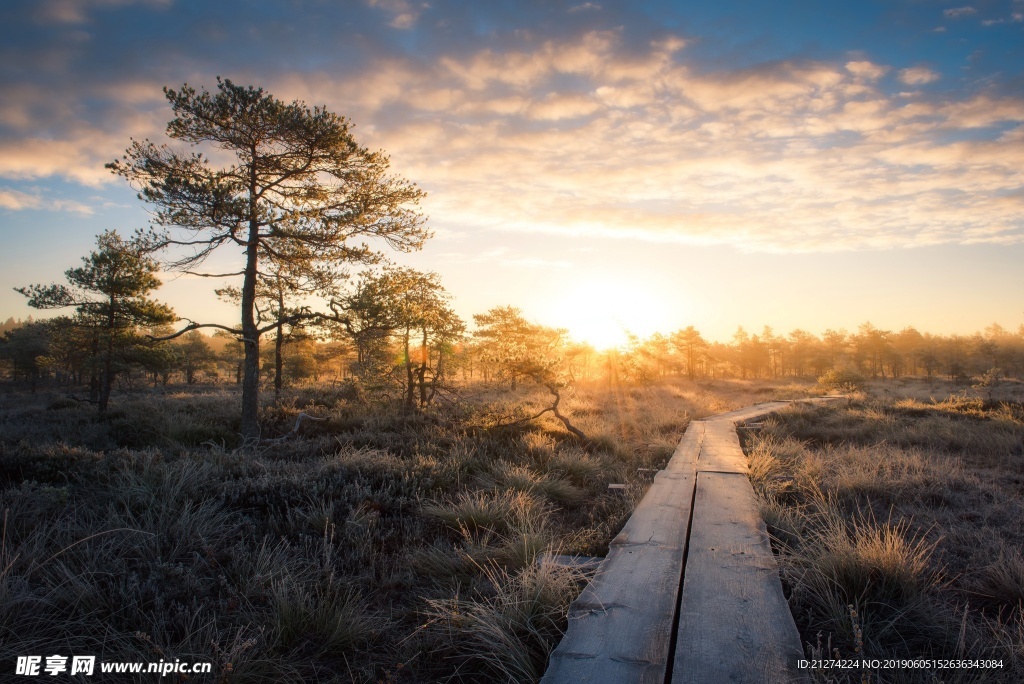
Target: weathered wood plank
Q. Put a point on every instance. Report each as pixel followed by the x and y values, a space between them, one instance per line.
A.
pixel 721 451
pixel 734 621
pixel 750 412
pixel 621 625
pixel 688 448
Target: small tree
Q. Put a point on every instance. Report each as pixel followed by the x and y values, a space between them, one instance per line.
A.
pixel 427 324
pixel 158 360
pixel 988 383
pixel 412 307
pixel 27 348
pixel 692 347
pixel 514 348
pixel 109 292
pixel 521 350
pixel 290 276
pixel 194 356
pixel 232 354
pixel 299 191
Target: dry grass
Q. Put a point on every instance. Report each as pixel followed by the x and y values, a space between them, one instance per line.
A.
pixel 381 545
pixel 506 633
pixel 899 522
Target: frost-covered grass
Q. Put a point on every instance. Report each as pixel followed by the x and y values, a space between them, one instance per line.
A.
pixel 899 523
pixel 378 545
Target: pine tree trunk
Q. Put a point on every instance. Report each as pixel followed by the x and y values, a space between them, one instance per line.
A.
pixel 279 348
pixel 94 379
pixel 250 335
pixel 108 362
pixel 278 362
pixel 423 370
pixel 410 382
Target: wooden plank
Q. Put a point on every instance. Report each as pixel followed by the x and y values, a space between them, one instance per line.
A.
pixel 721 451
pixel 734 621
pixel 688 448
pixel 750 412
pixel 620 627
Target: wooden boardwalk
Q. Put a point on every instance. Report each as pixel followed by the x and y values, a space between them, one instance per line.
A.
pixel 689 591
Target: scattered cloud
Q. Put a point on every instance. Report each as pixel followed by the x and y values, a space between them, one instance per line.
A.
pixel 787 156
pixel 1015 18
pixel 597 135
pixel 78 156
pixel 959 12
pixel 867 70
pixel 79 11
pixel 15 200
pixel 403 13
pixel 918 76
pixel 536 262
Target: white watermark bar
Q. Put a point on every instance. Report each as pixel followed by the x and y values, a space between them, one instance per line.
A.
pixel 52 665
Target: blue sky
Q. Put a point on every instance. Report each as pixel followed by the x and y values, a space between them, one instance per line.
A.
pixel 626 165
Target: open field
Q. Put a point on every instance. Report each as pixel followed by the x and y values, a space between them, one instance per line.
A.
pixel 381 545
pixel 899 520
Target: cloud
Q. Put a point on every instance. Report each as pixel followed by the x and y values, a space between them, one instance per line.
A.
pixel 785 156
pixel 597 135
pixel 536 262
pixel 959 12
pixel 77 152
pixel 557 106
pixel 526 68
pixel 867 70
pixel 404 14
pixel 982 111
pixel 15 200
pixel 918 76
pixel 79 11
pixel 502 257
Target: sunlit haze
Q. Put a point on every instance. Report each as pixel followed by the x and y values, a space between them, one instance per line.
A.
pixel 607 167
pixel 605 312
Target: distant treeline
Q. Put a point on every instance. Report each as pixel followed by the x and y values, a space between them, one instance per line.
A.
pixel 868 351
pixel 505 347
pixel 11 323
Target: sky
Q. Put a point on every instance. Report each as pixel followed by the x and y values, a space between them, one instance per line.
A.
pixel 604 166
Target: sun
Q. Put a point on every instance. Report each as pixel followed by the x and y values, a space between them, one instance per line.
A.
pixel 604 313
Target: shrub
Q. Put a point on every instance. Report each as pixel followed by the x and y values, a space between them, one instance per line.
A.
pixel 842 379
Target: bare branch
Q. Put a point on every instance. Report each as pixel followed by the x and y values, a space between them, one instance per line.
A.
pixel 195 326
pixel 565 421
pixel 553 389
pixel 289 320
pixel 213 275
pixel 295 430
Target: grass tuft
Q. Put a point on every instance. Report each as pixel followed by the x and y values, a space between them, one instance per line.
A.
pixel 508 635
pixel 944 477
